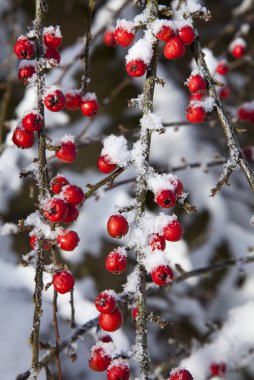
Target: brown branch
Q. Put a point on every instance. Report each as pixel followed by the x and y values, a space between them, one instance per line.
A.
pixel 88 37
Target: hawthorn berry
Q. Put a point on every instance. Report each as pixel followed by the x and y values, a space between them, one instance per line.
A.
pixel 89 107
pixel 218 369
pixel 25 73
pixel 111 322
pixel 224 92
pixel 134 313
pixel 24 48
pixel 187 35
pixel 106 302
pixel 72 214
pixel 52 39
pixel 57 183
pixel 244 114
pixel 162 275
pixel 53 55
pixel 116 262
pixel 196 84
pixel 105 338
pixel 67 152
pixel 33 241
pixel 118 371
pixel 222 68
pixel 72 100
pixel 136 68
pixel 23 139
pixel 73 194
pixel 195 114
pixel 55 209
pixel 63 282
pixel 198 96
pixel 180 374
pixel 67 240
pixel 238 51
pixel 165 33
pixel 174 48
pixel 105 165
pixel 165 198
pixel 99 360
pixel 124 37
pixel 32 121
pixel 178 187
pixel 109 38
pixel 117 226
pixel 173 231
pixel 157 242
pixel 54 101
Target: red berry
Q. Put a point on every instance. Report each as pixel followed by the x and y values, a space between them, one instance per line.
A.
pixel 224 92
pixel 174 48
pixel 218 369
pixel 178 185
pixel 89 107
pixel 24 48
pixel 33 242
pixel 53 54
pixel 111 322
pixel 23 139
pixel 105 339
pixel 67 152
pixel 165 198
pixel 165 33
pixel 25 73
pixel 52 40
pixel 116 262
pixel 173 231
pixel 187 34
pixel 162 275
pixel 32 121
pixel 195 114
pixel 124 37
pixel 198 96
pixel 55 209
pixel 105 302
pixel 222 68
pixel 118 371
pixel 73 194
pixel 117 226
pixel 136 68
pixel 135 313
pixel 180 374
pixel 109 38
pixel 72 214
pixel 157 242
pixel 67 240
pixel 105 165
pixel 63 282
pixel 57 183
pixel 99 359
pixel 72 100
pixel 54 101
pixel 243 114
pixel 238 51
pixel 196 84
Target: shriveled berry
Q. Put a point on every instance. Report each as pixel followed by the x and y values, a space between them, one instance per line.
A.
pixel 173 231
pixel 106 302
pixel 162 275
pixel 165 198
pixel 174 48
pixel 116 262
pixel 117 226
pixel 67 152
pixel 136 68
pixel 124 37
pixel 63 282
pixel 105 338
pixel 111 322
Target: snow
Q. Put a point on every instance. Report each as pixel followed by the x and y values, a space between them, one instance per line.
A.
pixel 27 63
pixel 154 260
pixel 9 228
pixel 55 30
pixel 89 96
pixel 151 122
pixel 141 50
pixel 127 25
pixel 157 182
pixel 158 24
pixel 40 228
pixel 208 104
pixel 115 147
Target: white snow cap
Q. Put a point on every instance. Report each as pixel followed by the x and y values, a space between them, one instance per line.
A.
pixel 115 147
pixel 89 96
pixel 141 50
pixel 55 30
pixel 157 182
pixel 158 24
pixel 26 63
pixel 127 25
pixel 153 260
pixel 208 104
pixel 239 41
pixel 67 138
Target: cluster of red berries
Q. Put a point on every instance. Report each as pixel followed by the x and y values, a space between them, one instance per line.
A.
pixel 111 318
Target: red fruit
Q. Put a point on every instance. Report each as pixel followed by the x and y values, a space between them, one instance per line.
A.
pixel 218 369
pixel 89 107
pixel 33 242
pixel 105 302
pixel 180 374
pixel 178 185
pixel 157 242
pixel 24 48
pixel 63 282
pixel 72 100
pixel 198 96
pixel 105 165
pixel 135 313
pixel 73 194
pixel 124 37
pixel 165 198
pixel 116 262
pixel 238 51
pixel 23 139
pixel 174 48
pixel 195 114
pixel 32 121
pixel 187 34
pixel 99 359
pixel 67 152
pixel 136 68
pixel 111 322
pixel 25 73
pixel 222 68
pixel 54 101
pixel 105 339
pixel 118 371
pixel 72 214
pixel 162 275
pixel 165 33
pixel 196 84
pixel 67 240
pixel 243 114
pixel 224 92
pixel 55 209
pixel 173 231
pixel 57 183
pixel 109 38
pixel 117 226
pixel 51 40
pixel 51 53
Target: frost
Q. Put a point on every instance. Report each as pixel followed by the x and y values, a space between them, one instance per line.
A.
pixel 141 50
pixel 67 138
pixel 115 147
pixel 132 284
pixel 89 96
pixel 26 63
pixel 9 228
pixel 151 121
pixel 127 25
pixel 54 30
pixel 108 348
pixel 157 182
pixel 158 24
pixel 208 104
